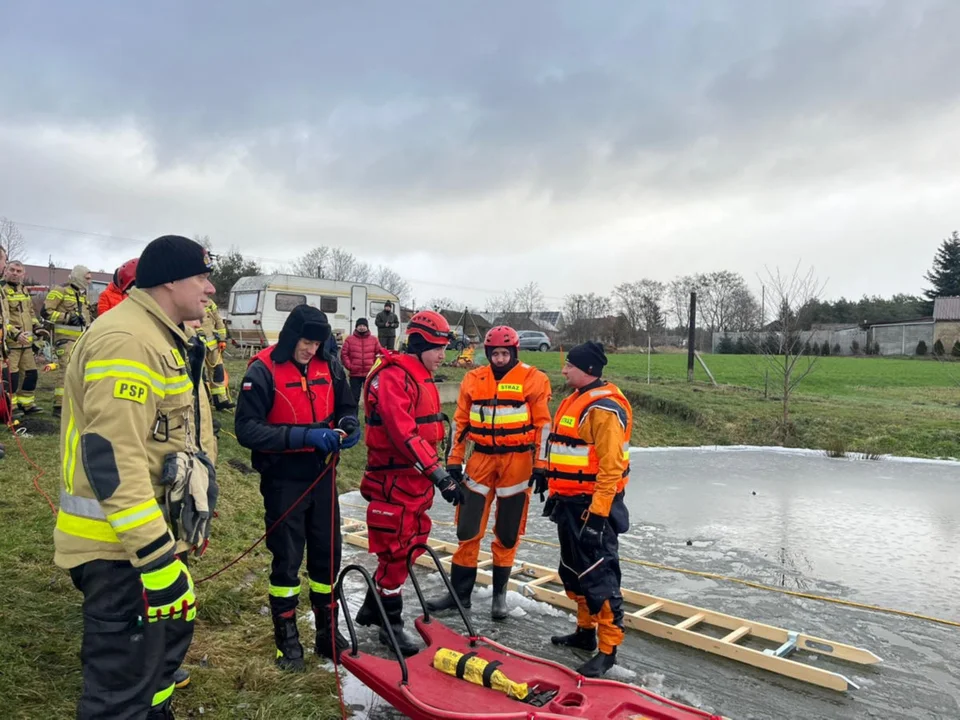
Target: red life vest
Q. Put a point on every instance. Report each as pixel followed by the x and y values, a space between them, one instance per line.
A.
pixel 422 390
pixel 299 398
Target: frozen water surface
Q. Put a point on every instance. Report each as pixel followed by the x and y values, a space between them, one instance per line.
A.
pixel 879 532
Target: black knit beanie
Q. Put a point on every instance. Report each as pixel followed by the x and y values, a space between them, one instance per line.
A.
pixel 304 321
pixel 589 357
pixel 170 258
pixel 362 321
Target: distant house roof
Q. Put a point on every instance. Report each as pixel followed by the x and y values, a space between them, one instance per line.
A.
pixel 44 275
pixel 835 327
pixel 545 321
pixel 894 323
pixel 551 317
pixel 471 322
pixel 946 308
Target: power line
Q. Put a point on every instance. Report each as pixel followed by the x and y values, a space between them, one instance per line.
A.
pixel 107 236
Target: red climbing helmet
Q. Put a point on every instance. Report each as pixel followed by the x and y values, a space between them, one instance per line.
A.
pixel 501 336
pixel 431 326
pixel 126 274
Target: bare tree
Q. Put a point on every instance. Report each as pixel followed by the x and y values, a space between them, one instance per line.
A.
pixel 530 299
pixel 12 240
pixel 639 302
pixel 744 311
pixel 444 303
pixel 342 264
pixel 716 297
pixel 783 351
pixel 390 280
pixel 503 304
pixel 678 294
pixel 584 316
pixel 314 263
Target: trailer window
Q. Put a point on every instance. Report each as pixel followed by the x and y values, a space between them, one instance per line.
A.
pixel 245 303
pixel 328 304
pixel 286 302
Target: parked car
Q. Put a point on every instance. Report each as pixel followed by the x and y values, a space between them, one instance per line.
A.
pixel 534 340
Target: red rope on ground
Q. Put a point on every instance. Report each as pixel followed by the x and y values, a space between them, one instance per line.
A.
pixel 31 463
pixel 335 528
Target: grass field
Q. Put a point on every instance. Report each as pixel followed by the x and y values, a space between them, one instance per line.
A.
pixel 906 407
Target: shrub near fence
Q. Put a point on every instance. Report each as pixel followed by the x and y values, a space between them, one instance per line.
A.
pixel 837 342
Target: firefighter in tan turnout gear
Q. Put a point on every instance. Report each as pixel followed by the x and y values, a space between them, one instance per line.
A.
pixel 139 485
pixel 67 309
pixel 21 327
pixel 213 333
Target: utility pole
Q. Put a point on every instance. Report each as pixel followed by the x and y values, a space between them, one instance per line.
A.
pixel 692 337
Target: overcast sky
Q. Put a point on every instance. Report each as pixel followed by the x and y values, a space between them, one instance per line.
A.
pixel 483 144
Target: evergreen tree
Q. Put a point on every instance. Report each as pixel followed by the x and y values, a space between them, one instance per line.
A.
pixel 945 273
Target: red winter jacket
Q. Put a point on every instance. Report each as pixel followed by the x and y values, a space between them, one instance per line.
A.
pixel 109 298
pixel 404 422
pixel 359 352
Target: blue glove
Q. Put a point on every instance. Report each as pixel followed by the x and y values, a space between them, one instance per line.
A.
pixel 323 439
pixel 351 426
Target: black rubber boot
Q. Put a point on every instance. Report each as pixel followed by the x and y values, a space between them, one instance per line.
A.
pixel 394 607
pixel 222 405
pixel 181 678
pixel 582 639
pixel 462 578
pixel 368 614
pixel 324 646
pixel 598 664
pixel 498 609
pixel 287 638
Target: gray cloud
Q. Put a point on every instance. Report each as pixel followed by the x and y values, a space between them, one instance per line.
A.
pixel 527 129
pixel 417 101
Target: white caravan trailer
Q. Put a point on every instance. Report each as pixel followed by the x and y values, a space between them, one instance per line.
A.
pixel 259 305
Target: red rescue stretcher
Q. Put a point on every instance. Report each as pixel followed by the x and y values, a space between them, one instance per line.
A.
pixel 423 692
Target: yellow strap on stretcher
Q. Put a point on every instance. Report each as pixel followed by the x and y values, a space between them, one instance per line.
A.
pixel 476 670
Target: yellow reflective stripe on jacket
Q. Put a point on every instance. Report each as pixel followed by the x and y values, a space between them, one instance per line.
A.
pixel 319 587
pixel 83 517
pixel 284 592
pixel 96 530
pixel 132 370
pixel 489 416
pixel 178 385
pixel 71 442
pixel 576 455
pixel 54 295
pixel 131 518
pixel 67 330
pixel 211 343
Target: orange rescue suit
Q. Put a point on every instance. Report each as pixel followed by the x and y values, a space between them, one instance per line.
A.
pixel 588 463
pixel 508 422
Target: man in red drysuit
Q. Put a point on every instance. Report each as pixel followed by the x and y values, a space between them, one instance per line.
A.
pixel 404 430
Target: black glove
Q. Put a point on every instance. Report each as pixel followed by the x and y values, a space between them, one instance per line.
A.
pixel 456 472
pixel 538 481
pixel 449 488
pixel 351 426
pixel 75 320
pixel 591 534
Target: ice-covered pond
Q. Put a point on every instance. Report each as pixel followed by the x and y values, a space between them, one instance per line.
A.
pixel 882 532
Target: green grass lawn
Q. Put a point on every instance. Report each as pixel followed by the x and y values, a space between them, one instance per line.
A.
pixel 881 405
